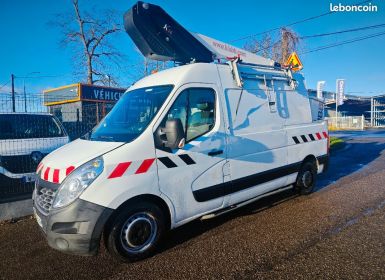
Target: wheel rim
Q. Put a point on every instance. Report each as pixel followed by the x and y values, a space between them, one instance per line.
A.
pixel 138 232
pixel 307 179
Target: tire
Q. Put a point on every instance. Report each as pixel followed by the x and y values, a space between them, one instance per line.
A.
pixel 307 178
pixel 135 232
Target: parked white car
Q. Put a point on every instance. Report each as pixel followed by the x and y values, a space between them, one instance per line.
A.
pixel 25 139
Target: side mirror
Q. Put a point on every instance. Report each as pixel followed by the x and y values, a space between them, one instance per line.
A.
pixel 174 134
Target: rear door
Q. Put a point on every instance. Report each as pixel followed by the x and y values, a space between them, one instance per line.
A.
pixel 192 177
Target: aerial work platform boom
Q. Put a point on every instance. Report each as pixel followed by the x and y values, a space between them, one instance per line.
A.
pixel 160 37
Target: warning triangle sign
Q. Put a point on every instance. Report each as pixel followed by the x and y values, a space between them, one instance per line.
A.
pixel 294 63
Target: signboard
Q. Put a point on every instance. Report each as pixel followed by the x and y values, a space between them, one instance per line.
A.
pixel 340 91
pixel 62 95
pixel 320 87
pixel 81 92
pixel 100 94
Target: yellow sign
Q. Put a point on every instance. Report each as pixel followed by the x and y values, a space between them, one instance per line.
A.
pixel 294 63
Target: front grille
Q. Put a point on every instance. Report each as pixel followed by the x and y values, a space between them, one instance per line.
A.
pixel 44 199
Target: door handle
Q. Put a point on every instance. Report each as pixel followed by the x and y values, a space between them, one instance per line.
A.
pixel 215 153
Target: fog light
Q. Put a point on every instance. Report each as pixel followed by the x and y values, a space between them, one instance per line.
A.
pixel 61 243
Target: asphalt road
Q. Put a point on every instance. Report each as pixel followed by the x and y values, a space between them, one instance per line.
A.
pixel 338 232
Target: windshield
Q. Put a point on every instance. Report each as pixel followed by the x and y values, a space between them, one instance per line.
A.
pixel 131 115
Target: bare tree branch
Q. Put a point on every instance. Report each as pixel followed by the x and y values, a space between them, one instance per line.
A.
pixel 89 34
pixel 101 37
pixel 280 50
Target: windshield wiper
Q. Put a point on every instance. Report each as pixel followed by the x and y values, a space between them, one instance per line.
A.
pixel 104 138
pixel 86 136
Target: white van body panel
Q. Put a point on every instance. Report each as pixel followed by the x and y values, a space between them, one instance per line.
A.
pixel 71 156
pixel 112 191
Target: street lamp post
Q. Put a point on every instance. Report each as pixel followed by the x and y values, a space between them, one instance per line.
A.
pixel 109 79
pixel 13 77
pixel 25 94
pixel 13 92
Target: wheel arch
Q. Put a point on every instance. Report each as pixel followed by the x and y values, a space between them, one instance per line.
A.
pixel 157 200
pixel 309 158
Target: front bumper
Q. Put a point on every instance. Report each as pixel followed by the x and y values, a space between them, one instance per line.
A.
pixel 76 228
pixel 11 175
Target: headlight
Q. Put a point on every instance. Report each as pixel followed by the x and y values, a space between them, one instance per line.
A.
pixel 77 182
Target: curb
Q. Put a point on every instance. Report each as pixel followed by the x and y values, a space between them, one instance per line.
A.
pixel 15 210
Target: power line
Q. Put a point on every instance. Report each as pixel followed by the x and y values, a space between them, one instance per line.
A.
pixel 345 42
pixel 343 31
pixel 328 34
pixel 294 23
pixel 37 77
pixel 4 85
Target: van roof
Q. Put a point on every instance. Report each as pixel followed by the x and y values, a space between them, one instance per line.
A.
pixel 189 73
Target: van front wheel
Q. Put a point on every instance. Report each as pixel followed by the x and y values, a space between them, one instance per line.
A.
pixel 307 177
pixel 135 232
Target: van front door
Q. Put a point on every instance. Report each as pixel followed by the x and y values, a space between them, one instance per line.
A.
pixel 188 175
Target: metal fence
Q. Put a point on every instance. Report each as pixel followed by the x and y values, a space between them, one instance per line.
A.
pixel 377 111
pixel 33 131
pixel 346 123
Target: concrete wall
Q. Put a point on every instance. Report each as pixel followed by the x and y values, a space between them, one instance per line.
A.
pixel 14 210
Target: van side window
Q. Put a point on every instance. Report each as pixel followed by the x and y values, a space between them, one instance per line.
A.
pixel 195 107
pixel 201 112
pixel 178 110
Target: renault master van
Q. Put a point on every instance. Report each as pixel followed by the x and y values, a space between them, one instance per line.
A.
pixel 190 142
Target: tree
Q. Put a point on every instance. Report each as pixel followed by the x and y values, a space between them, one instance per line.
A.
pixel 263 46
pixel 279 51
pixel 91 35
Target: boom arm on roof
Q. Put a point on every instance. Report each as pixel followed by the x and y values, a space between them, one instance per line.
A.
pixel 160 37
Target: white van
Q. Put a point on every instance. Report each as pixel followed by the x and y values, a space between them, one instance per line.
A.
pixel 181 144
pixel 190 142
pixel 25 138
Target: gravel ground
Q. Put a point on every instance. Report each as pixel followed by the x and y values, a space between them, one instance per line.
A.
pixel 337 232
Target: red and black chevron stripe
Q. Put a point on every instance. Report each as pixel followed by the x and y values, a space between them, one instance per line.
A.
pixel 168 162
pixel 310 137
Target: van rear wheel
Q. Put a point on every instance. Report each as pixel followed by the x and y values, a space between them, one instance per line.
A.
pixel 307 178
pixel 135 232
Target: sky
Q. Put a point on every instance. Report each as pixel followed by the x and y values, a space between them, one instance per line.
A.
pixel 31 44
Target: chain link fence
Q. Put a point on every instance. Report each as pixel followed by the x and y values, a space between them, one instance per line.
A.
pixel 346 123
pixel 33 130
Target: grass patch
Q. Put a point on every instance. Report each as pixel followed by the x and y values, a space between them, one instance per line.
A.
pixel 336 143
